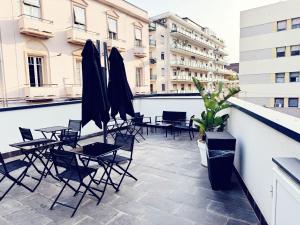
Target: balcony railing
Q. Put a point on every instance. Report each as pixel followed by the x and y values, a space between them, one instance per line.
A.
pixel 153 77
pixel 44 91
pixel 152 43
pixel 117 43
pixel 152 60
pixel 192 37
pixel 73 90
pixel 140 51
pixel 79 36
pixel 192 52
pixel 35 26
pixel 191 65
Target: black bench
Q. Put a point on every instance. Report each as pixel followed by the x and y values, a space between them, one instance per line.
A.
pixel 171 117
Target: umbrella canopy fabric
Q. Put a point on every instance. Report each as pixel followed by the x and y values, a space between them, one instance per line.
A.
pixel 119 93
pixel 95 105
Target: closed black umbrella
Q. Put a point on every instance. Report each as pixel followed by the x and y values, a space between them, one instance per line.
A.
pixel 119 93
pixel 95 104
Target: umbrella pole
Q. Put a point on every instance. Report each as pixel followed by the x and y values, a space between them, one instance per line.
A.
pixel 104 124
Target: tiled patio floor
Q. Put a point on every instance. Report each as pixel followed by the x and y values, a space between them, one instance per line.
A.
pixel 173 189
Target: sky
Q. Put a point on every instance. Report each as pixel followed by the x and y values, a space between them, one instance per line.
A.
pixel 222 16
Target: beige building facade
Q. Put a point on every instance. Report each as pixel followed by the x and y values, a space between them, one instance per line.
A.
pixel 41 43
pixel 181 49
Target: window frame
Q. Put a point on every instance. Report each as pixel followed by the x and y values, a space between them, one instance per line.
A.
pixel 162 56
pixel 282 105
pixel 113 35
pixel 138 42
pixel 32 6
pixel 39 80
pixel 296 78
pixel 278 55
pixel 296 26
pixel 281 29
pixel 297 52
pixel 293 106
pixel 163 87
pixel 77 24
pixel 139 77
pixel 276 78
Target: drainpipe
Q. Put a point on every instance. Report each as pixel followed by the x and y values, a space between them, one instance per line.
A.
pixel 2 76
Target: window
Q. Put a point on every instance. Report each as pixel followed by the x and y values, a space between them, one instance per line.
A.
pixel 279 77
pixel 162 56
pixel 295 50
pixel 174 27
pixel 280 52
pixel 112 28
pixel 163 87
pixel 294 77
pixel 35 68
pixel 32 8
pixel 279 103
pixel 190 87
pixel 296 23
pixel 138 37
pixel 139 77
pixel 293 102
pixel 175 87
pixel 163 71
pixel 78 72
pixel 79 17
pixel 281 25
pixel 182 87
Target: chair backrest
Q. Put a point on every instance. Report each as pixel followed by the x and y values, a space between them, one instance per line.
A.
pixel 64 159
pixel 26 134
pixel 174 116
pixel 125 140
pixel 69 138
pixel 138 119
pixel 75 125
pixel 191 121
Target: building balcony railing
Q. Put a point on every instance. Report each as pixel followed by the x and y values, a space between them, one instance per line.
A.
pixel 221 51
pixel 152 60
pixel 140 51
pixel 79 36
pixel 223 71
pixel 190 65
pixel 73 90
pixel 35 26
pixel 192 38
pixel 153 77
pixel 152 43
pixel 117 43
pixel 191 52
pixel 143 89
pixel 44 91
pixel 220 61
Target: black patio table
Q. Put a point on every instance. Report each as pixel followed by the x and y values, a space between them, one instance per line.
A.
pixel 37 150
pixel 52 130
pixel 94 152
pixel 166 126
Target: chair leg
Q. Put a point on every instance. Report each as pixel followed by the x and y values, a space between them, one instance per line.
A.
pixel 124 174
pixel 61 191
pixel 83 194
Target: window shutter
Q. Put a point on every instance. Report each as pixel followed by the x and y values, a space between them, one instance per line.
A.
pixel 33 2
pixel 138 34
pixel 79 15
pixel 112 25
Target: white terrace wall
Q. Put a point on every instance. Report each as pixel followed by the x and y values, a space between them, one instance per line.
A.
pixel 257 144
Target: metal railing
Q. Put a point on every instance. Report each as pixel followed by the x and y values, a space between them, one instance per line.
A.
pixel 190 64
pixel 191 51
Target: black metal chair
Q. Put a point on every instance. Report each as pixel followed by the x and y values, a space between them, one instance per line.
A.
pixel 127 143
pixel 7 168
pixel 67 170
pixel 26 134
pixel 182 126
pixel 69 138
pixel 75 126
pixel 136 126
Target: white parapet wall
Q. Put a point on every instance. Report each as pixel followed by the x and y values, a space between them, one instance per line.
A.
pixel 261 134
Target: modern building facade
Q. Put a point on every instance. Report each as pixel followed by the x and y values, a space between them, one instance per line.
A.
pixel 270 54
pixel 181 49
pixel 41 43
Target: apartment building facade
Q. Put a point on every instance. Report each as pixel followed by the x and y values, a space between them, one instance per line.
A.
pixel 181 49
pixel 270 54
pixel 41 43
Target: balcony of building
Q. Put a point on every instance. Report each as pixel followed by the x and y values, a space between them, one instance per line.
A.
pixel 140 51
pixel 35 26
pixel 120 44
pixel 79 36
pixel 46 91
pixel 221 51
pixel 152 60
pixel 153 77
pixel 185 50
pixel 143 89
pixel 192 38
pixel 172 188
pixel 73 90
pixel 220 61
pixel 190 65
pixel 152 43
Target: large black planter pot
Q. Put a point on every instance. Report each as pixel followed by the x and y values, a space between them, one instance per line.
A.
pixel 220 157
pixel 220 167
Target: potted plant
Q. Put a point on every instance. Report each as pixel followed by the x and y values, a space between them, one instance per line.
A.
pixel 213 118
